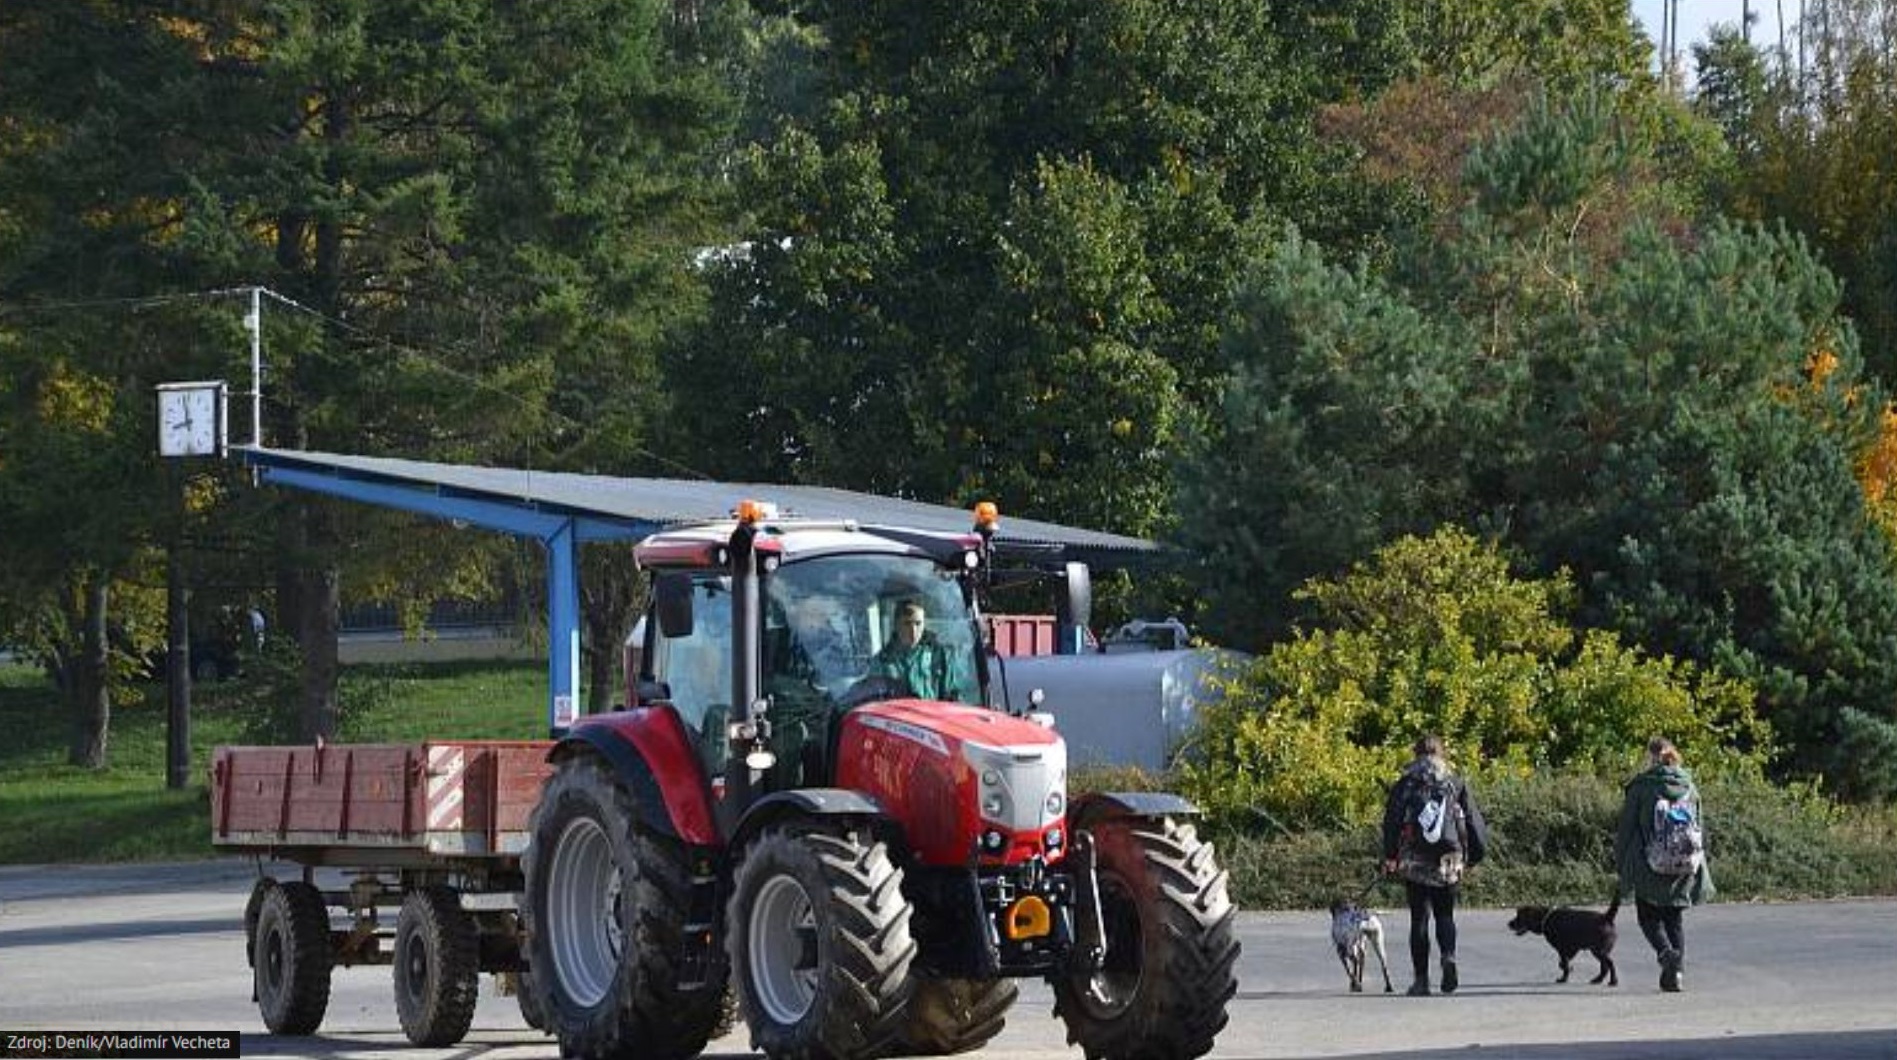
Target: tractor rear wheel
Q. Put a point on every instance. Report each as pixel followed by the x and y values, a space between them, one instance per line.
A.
pixel 437 967
pixel 948 1016
pixel 607 904
pixel 291 958
pixel 819 939
pixel 1162 992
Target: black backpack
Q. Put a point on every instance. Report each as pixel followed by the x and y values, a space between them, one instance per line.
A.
pixel 1432 815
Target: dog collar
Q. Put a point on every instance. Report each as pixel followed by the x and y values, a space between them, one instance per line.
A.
pixel 1545 917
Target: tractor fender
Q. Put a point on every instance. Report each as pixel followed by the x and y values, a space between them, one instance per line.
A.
pixel 652 756
pixel 1100 805
pixel 806 802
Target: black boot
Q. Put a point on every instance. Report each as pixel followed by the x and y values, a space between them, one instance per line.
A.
pixel 1450 981
pixel 1672 977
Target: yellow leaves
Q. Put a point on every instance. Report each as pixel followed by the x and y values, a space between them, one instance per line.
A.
pixel 203 493
pixel 1820 366
pixel 74 402
pixel 1877 472
pixel 204 47
pixel 189 30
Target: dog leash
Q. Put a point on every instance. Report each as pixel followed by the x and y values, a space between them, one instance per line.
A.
pixel 1375 878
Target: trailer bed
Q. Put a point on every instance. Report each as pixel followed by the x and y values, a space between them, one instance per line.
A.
pixel 377 805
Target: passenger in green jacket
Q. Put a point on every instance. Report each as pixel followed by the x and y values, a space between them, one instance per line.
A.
pixel 914 657
pixel 1659 851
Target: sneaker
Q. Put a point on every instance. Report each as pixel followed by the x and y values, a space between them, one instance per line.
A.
pixel 1672 980
pixel 1419 988
pixel 1449 977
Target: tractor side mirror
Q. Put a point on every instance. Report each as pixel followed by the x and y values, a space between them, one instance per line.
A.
pixel 650 692
pixel 672 600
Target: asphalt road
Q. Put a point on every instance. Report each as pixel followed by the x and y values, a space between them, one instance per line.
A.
pixel 161 948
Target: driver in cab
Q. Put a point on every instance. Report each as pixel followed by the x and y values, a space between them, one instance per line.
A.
pixel 914 656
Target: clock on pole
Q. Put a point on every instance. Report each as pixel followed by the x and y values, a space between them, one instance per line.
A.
pixel 192 419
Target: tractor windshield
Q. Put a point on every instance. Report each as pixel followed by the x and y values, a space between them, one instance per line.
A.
pixel 843 630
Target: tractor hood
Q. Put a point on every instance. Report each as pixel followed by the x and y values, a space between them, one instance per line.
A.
pixel 963 782
pixel 942 727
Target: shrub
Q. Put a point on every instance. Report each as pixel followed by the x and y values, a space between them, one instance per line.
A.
pixel 1434 635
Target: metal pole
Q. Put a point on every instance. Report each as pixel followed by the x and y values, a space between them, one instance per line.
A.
pixel 177 643
pixel 255 323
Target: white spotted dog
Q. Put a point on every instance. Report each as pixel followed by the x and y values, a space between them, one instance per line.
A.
pixel 1355 930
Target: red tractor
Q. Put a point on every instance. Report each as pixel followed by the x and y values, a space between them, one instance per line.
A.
pixel 815 809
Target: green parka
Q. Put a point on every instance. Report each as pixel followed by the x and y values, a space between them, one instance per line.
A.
pixel 1636 827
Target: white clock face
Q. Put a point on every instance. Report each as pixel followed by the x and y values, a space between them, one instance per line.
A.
pixel 187 422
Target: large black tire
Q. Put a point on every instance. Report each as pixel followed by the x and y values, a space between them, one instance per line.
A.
pixel 607 905
pixel 437 967
pixel 819 940
pixel 529 1001
pixel 292 959
pixel 948 1016
pixel 1168 975
pixel 252 909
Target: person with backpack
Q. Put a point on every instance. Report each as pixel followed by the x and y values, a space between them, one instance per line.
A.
pixel 1660 850
pixel 1432 833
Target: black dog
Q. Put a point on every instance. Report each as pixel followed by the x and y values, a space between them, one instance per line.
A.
pixel 1570 931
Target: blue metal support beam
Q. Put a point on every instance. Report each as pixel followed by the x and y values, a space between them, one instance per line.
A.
pixel 563 629
pixel 507 517
pixel 560 532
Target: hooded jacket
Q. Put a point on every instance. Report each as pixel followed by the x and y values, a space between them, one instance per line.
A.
pixel 1636 827
pixel 1475 837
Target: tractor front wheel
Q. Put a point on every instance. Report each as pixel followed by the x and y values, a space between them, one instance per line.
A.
pixel 607 904
pixel 819 939
pixel 1162 992
pixel 948 1016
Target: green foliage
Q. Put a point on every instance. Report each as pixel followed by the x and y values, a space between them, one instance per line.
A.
pixel 1592 387
pixel 1550 162
pixel 1434 635
pixel 1813 141
pixel 486 216
pixel 992 260
pixel 1570 45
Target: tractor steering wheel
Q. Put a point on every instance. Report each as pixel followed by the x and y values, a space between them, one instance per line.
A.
pixel 874 687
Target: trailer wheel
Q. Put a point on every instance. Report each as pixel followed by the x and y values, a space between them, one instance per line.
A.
pixel 607 904
pixel 437 967
pixel 1170 947
pixel 948 1016
pixel 252 908
pixel 292 958
pixel 819 938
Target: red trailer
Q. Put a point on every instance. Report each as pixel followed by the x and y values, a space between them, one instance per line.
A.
pixel 434 831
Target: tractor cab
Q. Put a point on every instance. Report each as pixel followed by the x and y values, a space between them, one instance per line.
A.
pixel 844 615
